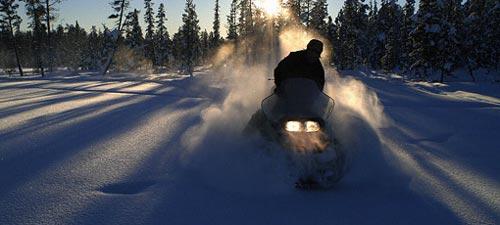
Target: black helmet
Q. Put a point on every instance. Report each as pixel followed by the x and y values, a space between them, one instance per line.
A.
pixel 315 45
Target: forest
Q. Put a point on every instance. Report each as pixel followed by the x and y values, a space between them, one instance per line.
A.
pixel 441 37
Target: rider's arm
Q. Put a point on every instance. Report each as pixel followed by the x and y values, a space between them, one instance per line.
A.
pixel 322 78
pixel 281 71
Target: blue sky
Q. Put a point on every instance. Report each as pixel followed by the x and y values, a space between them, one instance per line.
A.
pixel 95 12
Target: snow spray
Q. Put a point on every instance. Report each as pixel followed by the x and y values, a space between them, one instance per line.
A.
pixel 216 148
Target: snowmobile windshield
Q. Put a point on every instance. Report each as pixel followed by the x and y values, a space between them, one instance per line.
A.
pixel 298 98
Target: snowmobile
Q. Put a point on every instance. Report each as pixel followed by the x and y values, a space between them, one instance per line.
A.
pixel 297 117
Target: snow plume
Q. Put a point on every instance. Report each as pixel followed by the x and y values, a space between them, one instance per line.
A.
pixel 216 150
pixel 357 117
pixel 354 95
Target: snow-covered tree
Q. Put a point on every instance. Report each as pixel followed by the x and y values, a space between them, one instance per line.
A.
pixel 74 44
pixel 425 38
pixel 205 44
pixel 375 36
pixel 294 8
pixel 93 46
pixel 50 8
pixel 306 11
pixel 332 37
pixel 351 23
pixel 474 48
pixel 108 43
pixel 11 21
pixel 319 14
pixel 162 38
pixel 246 23
pixel 149 47
pixel 134 38
pixel 339 58
pixel 119 8
pixel 408 25
pixel 232 30
pixel 392 45
pixel 451 40
pixel 190 37
pixel 493 33
pixel 35 10
pixel 178 47
pixel 216 38
pixel 58 37
pixel 131 55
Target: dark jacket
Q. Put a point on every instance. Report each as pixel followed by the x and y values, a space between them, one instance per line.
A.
pixel 296 65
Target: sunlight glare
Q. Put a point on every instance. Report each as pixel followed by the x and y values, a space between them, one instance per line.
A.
pixel 270 7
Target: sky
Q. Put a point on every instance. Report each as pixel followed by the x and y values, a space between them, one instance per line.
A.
pixel 90 13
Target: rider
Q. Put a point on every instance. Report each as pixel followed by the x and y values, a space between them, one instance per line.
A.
pixel 302 64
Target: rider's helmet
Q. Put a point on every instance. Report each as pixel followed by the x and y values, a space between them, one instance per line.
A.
pixel 316 46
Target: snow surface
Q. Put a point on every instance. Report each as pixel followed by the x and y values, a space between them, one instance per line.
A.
pixel 92 150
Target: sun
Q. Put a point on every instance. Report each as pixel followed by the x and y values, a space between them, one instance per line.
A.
pixel 270 7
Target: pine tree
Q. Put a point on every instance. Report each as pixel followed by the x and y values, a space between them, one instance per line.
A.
pixel 351 22
pixel 109 42
pixel 232 31
pixel 178 47
pixel 294 8
pixel 149 48
pixel 300 11
pixel 11 21
pixel 332 37
pixel 190 37
pixel 492 35
pixel 246 23
pixel 392 44
pixel 340 59
pixel 474 48
pixel 162 38
pixel 49 9
pixel 360 25
pixel 25 48
pixel 36 11
pixel 74 43
pixel 451 37
pixel 407 27
pixel 205 44
pixel 302 8
pixel 319 14
pixel 425 38
pixel 119 7
pixel 59 37
pixel 216 39
pixel 134 38
pixel 91 57
pixel 375 36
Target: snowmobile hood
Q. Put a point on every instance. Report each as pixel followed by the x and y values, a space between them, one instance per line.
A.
pixel 298 98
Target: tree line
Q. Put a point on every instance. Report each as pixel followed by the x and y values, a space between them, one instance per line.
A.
pixel 441 36
pixel 123 47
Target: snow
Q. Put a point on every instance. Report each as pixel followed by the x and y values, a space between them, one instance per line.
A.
pixel 166 149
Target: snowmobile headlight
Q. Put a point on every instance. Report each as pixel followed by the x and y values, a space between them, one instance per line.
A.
pixel 293 126
pixel 312 126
